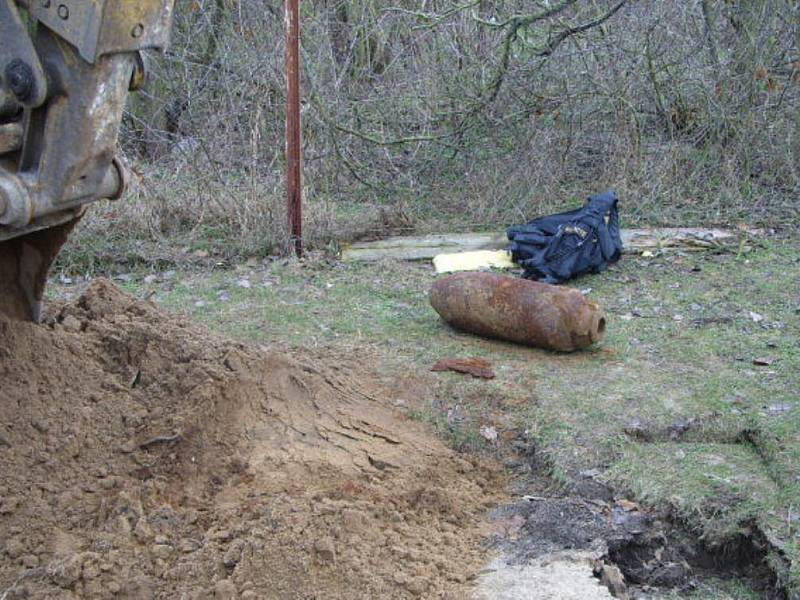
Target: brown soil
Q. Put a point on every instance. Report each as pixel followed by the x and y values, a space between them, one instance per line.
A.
pixel 143 457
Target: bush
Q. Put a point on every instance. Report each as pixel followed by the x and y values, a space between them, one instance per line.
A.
pixel 467 115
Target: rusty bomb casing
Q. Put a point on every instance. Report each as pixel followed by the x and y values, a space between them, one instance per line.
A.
pixel 527 312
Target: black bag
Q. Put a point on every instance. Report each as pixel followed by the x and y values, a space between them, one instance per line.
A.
pixel 559 247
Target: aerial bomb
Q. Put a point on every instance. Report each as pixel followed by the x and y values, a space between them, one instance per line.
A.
pixel 518 310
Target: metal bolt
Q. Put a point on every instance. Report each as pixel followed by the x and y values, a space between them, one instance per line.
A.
pixel 138 30
pixel 63 11
pixel 20 79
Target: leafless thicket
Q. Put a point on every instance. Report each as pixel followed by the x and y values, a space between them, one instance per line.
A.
pixel 470 113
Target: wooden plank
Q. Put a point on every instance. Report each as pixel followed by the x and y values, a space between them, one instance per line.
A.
pixel 426 247
pixel 634 240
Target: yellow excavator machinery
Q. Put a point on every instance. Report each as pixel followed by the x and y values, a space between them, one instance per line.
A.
pixel 66 67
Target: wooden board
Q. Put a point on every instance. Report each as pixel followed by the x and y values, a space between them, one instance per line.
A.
pixel 635 241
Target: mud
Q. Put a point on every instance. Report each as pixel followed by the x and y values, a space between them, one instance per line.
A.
pixel 649 551
pixel 143 457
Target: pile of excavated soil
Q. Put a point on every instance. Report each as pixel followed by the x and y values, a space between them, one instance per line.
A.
pixel 144 457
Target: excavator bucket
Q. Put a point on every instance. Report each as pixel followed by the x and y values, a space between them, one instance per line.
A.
pixel 65 73
pixel 24 264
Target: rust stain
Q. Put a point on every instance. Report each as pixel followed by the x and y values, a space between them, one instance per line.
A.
pixel 477 367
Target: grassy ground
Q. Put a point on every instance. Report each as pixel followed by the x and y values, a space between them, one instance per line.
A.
pixel 671 408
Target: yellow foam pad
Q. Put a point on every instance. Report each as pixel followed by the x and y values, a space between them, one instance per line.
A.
pixel 473 261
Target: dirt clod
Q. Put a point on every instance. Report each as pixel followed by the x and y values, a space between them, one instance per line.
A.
pixel 158 460
pixel 225 590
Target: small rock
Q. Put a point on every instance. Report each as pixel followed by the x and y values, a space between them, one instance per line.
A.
pixel 221 535
pixel 149 279
pixel 244 283
pixel 489 433
pixel 30 561
pixel 160 567
pixel 679 427
pixel 763 362
pixel 169 275
pixel 354 520
pixel 197 593
pixel 637 429
pixel 671 574
pixel 233 554
pixel 142 531
pixel 187 546
pixel 632 523
pixel 757 318
pixel 91 570
pixel 779 409
pixel 233 361
pixel 65 574
pixel 70 323
pixel 417 586
pixel 14 548
pixel 612 578
pixel 9 505
pixel 162 551
pixel 201 254
pixel 325 550
pixel 108 483
pixel 127 447
pixel 139 588
pixel 40 425
pixel 225 590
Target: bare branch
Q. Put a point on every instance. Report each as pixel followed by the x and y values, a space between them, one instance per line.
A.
pixel 567 33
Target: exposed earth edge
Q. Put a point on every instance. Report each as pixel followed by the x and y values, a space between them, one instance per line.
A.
pixel 583 525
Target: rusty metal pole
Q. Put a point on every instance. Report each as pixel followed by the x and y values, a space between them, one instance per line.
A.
pixel 294 196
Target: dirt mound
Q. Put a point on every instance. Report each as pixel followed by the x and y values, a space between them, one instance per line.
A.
pixel 143 457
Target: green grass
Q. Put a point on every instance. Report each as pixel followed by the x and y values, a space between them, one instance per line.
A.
pixel 715 589
pixel 680 345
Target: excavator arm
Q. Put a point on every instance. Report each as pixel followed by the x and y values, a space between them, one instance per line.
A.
pixel 66 67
